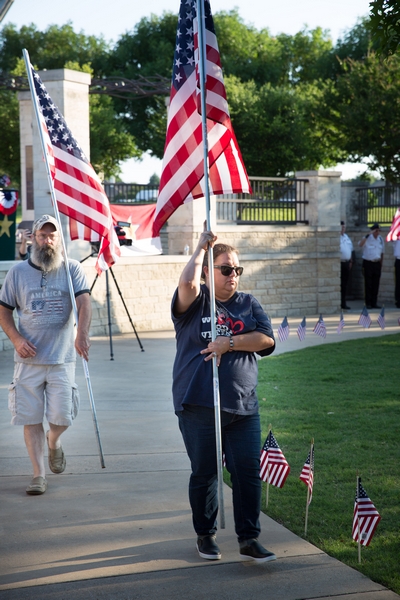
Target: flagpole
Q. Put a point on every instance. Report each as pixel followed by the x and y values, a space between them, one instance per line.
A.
pixel 57 216
pixel 267 488
pixel 217 409
pixel 358 521
pixel 308 489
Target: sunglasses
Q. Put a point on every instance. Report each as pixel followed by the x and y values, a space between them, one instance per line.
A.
pixel 227 271
pixel 43 282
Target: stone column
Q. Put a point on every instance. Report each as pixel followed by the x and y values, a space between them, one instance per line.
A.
pixel 323 210
pixel 69 91
pixel 186 224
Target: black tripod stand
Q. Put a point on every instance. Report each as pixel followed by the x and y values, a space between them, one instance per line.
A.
pixel 94 253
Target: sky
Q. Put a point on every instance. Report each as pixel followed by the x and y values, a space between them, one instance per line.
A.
pixel 114 18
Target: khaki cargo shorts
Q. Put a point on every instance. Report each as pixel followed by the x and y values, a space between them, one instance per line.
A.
pixel 39 391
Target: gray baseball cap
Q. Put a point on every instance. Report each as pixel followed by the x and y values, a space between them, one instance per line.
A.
pixel 41 222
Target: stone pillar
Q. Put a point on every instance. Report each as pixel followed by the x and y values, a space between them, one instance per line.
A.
pixel 186 224
pixel 323 210
pixel 69 91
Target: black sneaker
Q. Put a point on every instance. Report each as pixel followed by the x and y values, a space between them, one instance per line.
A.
pixel 207 547
pixel 252 549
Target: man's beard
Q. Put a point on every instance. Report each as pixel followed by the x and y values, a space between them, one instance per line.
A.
pixel 47 257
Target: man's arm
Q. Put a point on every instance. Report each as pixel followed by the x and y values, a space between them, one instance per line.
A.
pixel 23 347
pixel 82 341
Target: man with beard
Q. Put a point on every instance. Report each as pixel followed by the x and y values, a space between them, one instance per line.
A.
pixel 44 371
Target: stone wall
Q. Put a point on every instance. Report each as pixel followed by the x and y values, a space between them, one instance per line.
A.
pixel 292 271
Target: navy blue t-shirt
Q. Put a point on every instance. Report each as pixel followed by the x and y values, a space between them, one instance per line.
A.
pixel 238 371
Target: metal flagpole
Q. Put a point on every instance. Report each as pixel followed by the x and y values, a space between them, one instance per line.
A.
pixel 217 409
pixel 358 520
pixel 308 488
pixel 57 216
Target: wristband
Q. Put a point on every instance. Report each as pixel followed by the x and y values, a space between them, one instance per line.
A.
pixel 231 348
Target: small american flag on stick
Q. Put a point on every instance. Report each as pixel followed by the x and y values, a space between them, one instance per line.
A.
pixel 307 473
pixel 274 467
pixel 320 328
pixel 365 518
pixel 283 330
pixel 341 323
pixel 301 330
pixel 365 319
pixel 381 318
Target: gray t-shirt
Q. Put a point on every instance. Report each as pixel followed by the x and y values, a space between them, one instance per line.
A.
pixel 44 309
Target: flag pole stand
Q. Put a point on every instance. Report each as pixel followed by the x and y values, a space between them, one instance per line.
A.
pixel 68 274
pixel 108 297
pixel 216 395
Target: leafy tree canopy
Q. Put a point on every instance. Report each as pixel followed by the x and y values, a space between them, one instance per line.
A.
pixel 385 25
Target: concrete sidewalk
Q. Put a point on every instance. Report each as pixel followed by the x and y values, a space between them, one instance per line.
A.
pixel 125 532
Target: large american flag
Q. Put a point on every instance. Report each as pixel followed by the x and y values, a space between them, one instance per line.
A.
pixel 365 319
pixel 394 231
pixel 182 177
pixel 78 190
pixel 365 516
pixel 307 473
pixel 320 328
pixel 274 467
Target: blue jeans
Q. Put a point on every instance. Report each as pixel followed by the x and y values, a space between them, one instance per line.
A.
pixel 241 445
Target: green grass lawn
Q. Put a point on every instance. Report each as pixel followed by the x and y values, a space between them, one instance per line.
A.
pixel 346 396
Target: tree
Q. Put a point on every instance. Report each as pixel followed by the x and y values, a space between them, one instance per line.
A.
pixel 385 26
pixel 58 48
pixel 278 128
pixel 9 146
pixel 365 108
pixel 147 51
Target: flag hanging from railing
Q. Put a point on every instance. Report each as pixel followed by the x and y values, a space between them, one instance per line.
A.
pixel 182 177
pixel 78 190
pixel 365 517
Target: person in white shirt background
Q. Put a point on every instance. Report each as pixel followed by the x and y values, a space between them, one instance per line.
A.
pixel 346 263
pixel 373 250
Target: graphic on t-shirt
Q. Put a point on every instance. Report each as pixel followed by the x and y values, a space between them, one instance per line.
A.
pixel 225 325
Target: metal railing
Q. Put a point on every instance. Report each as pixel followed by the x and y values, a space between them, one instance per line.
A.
pixel 275 200
pixel 377 204
pixel 130 193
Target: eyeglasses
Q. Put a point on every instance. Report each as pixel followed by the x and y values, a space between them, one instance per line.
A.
pixel 44 236
pixel 226 271
pixel 43 282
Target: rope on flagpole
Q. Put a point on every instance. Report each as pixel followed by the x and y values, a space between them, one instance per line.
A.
pixel 57 216
pixel 217 409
